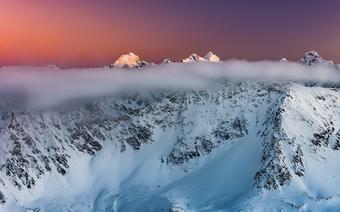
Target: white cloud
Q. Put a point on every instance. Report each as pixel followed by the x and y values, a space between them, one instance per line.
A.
pixel 46 87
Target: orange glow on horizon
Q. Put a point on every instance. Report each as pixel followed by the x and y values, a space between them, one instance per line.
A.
pixel 93 33
pixel 59 35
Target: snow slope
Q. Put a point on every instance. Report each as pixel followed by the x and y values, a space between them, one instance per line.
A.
pixel 237 145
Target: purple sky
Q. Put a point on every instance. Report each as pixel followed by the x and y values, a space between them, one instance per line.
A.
pixel 91 33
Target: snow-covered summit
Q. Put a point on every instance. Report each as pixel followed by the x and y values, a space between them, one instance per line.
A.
pixel 211 57
pixel 167 60
pixel 129 60
pixel 313 58
pixel 194 58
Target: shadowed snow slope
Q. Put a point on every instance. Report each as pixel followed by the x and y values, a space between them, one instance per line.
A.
pixel 228 145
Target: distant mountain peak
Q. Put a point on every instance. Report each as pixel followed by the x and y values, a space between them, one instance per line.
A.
pixel 53 66
pixel 130 61
pixel 313 58
pixel 167 60
pixel 211 57
pixel 193 58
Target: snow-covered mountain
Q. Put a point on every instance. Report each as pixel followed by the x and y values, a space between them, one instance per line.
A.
pixel 233 146
pixel 283 60
pixel 130 61
pixel 313 58
pixel 167 60
pixel 209 57
pixel 193 58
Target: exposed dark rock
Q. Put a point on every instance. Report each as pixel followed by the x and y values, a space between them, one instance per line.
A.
pixel 298 166
pixel 336 145
pixel 185 151
pixel 138 135
pixel 2 198
pixel 322 138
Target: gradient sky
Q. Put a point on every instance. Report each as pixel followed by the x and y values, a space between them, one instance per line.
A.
pixel 77 33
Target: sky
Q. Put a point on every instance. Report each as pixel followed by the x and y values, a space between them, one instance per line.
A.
pixel 88 33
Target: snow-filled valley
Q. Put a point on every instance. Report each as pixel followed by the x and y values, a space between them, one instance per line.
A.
pixel 234 144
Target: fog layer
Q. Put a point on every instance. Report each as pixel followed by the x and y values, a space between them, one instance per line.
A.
pixel 37 88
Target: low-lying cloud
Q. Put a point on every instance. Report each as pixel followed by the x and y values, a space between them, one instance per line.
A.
pixel 45 87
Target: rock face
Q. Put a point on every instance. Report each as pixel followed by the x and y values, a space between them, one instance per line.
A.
pixel 242 143
pixel 313 58
pixel 130 61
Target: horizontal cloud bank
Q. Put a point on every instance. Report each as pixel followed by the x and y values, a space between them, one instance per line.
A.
pixel 38 88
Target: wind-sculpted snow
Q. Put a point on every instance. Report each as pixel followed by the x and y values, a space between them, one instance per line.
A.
pixel 220 141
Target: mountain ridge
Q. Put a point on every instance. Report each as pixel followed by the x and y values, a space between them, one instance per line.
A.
pixel 182 140
pixel 132 61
